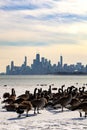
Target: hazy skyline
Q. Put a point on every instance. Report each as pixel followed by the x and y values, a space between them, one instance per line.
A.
pixel 50 27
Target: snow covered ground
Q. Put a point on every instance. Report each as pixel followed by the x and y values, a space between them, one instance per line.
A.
pixel 49 119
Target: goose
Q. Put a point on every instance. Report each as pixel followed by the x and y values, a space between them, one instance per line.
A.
pixel 57 95
pixel 65 100
pixel 83 97
pixel 20 111
pixel 10 107
pixel 81 90
pixel 24 106
pixel 19 100
pixel 38 104
pixel 11 97
pixel 13 94
pixel 6 95
pixel 61 90
pixel 82 107
pixel 49 90
pixel 24 96
pixel 74 102
pixel 8 101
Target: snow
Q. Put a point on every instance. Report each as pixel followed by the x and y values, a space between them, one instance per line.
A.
pixel 48 119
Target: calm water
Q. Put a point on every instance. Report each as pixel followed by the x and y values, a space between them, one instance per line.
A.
pixel 33 81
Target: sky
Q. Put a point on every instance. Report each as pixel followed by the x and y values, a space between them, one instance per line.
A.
pixel 49 27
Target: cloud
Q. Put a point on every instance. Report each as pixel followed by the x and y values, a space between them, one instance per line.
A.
pixel 22 43
pixel 10 5
pixel 60 18
pixel 42 22
pixel 62 6
pixel 12 8
pixel 44 38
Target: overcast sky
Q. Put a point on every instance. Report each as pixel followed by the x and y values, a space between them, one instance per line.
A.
pixel 49 27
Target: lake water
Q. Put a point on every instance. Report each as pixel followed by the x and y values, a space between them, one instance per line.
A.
pixel 42 80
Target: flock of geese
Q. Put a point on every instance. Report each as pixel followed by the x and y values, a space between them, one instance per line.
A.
pixel 72 98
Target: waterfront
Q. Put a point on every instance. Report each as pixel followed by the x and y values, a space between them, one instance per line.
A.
pixel 34 80
pixel 48 119
pixel 23 83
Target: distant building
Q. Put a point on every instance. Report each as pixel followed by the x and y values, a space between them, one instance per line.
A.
pixel 43 66
pixel 61 61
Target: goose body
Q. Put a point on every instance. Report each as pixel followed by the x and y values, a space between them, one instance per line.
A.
pixel 63 101
pixel 24 96
pixel 9 98
pixel 82 107
pixel 38 103
pixel 10 107
pixel 24 106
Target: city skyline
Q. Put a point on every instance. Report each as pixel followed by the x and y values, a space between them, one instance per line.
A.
pixel 17 55
pixel 50 27
pixel 42 65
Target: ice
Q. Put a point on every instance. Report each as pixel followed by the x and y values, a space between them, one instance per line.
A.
pixel 49 119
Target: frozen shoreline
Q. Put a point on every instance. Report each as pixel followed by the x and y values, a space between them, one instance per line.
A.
pixel 49 119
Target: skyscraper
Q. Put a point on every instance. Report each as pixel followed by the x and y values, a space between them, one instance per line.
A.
pixel 25 62
pixel 38 57
pixel 12 65
pixel 61 61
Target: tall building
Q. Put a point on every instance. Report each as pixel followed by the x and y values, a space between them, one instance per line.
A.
pixel 61 61
pixel 8 69
pixel 25 62
pixel 12 65
pixel 38 57
pixel 42 60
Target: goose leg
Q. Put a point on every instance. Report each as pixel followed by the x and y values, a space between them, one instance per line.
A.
pixel 80 114
pixel 19 115
pixel 62 108
pixel 26 113
pixel 85 114
pixel 38 110
pixel 34 110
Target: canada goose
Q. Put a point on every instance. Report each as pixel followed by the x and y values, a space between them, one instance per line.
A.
pixel 62 89
pixel 10 107
pixel 20 111
pixel 57 95
pixel 82 107
pixel 8 101
pixel 75 93
pixel 83 97
pixel 65 100
pixel 24 106
pixel 24 96
pixel 6 95
pixel 74 102
pixel 13 94
pixel 11 97
pixel 49 90
pixel 38 103
pixel 19 100
pixel 81 90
